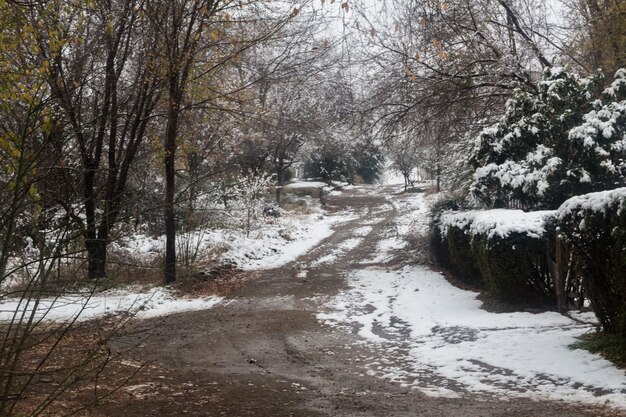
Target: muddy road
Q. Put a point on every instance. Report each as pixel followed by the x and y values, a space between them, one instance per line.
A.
pixel 262 352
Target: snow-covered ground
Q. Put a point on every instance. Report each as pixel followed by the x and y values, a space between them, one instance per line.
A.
pixel 272 244
pixel 437 338
pixel 276 243
pixel 450 344
pixel 86 306
pixel 272 249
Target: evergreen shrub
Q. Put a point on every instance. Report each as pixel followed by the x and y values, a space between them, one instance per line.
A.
pixel 514 268
pixel 507 259
pixel 595 227
pixel 453 250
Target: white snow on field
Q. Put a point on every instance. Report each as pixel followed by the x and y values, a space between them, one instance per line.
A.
pixel 412 212
pixel 363 231
pixel 451 339
pixel 306 185
pixel 271 250
pixel 142 304
pixel 274 244
pixel 385 250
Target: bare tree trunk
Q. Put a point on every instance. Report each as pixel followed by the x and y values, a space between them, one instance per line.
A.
pixel 170 183
pixel 96 254
pixel 280 183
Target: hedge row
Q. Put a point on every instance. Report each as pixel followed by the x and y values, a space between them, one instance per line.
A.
pixel 594 226
pixel 511 253
pixel 503 251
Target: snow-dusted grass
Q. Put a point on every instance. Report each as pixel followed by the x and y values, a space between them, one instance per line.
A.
pixel 385 250
pixel 450 338
pixel 142 304
pixel 272 244
pixel 305 185
pixel 271 248
pixel 363 231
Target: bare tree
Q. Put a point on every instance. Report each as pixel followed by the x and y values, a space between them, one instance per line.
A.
pixel 107 90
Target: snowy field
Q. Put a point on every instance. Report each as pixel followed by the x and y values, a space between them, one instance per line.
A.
pixel 436 338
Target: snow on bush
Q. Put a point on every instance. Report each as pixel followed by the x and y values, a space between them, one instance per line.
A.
pixel 594 225
pixel 89 305
pixel 502 250
pixel 552 144
pixel 599 202
pixel 497 222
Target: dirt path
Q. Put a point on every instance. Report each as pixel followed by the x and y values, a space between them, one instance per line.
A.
pixel 263 352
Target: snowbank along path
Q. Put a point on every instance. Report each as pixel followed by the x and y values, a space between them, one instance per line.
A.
pixel 348 329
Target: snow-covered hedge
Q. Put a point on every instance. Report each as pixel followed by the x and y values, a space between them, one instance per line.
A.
pixel 499 223
pixel 504 250
pixel 452 249
pixel 511 252
pixel 594 225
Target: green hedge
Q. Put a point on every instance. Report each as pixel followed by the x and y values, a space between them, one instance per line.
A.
pixel 594 225
pixel 515 269
pixel 453 251
pixel 513 266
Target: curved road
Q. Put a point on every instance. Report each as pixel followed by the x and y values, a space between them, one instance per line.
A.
pixel 262 352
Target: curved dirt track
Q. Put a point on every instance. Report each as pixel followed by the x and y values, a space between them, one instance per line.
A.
pixel 262 352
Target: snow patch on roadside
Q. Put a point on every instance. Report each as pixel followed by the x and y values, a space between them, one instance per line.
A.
pixel 363 231
pixel 142 304
pixel 448 338
pixel 269 251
